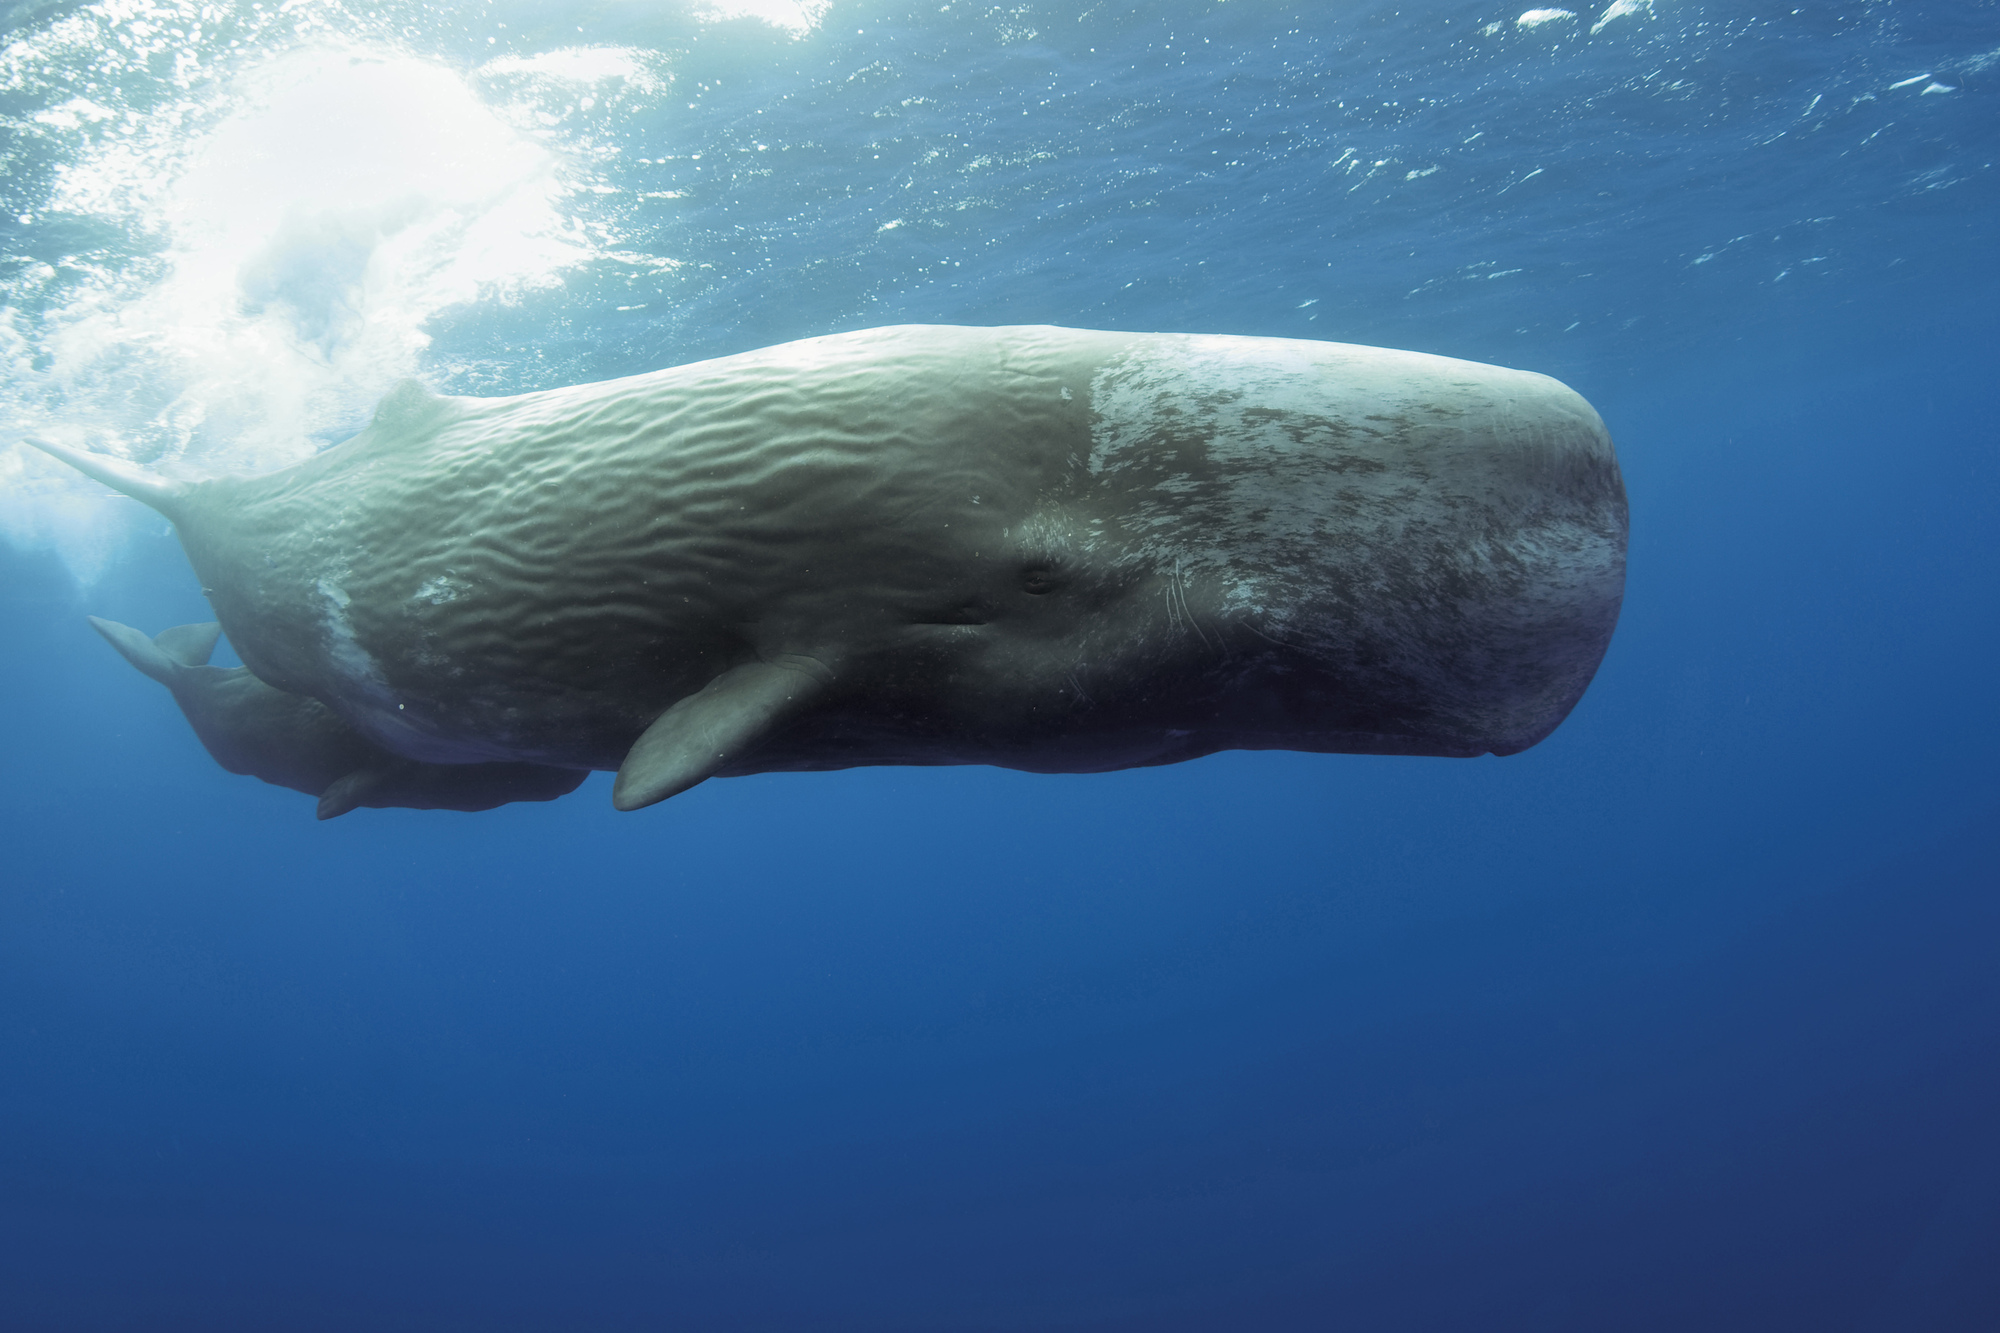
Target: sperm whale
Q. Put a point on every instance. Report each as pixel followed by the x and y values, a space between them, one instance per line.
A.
pixel 1050 549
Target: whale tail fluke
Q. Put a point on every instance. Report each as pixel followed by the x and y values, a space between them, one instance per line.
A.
pixel 121 476
pixel 167 654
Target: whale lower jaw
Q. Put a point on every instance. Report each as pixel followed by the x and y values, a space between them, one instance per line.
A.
pixel 1100 753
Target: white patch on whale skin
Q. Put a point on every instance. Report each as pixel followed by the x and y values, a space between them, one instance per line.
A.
pixel 363 686
pixel 1246 400
pixel 1620 9
pixel 1345 496
pixel 356 668
pixel 364 690
pixel 439 590
pixel 428 651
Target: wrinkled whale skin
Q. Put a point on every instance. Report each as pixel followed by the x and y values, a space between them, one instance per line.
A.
pixel 1048 549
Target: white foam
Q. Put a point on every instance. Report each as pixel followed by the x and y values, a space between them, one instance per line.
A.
pixel 1535 18
pixel 586 64
pixel 1622 9
pixel 310 216
pixel 798 17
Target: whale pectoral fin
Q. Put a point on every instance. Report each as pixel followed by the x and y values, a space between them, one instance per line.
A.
pixel 351 791
pixel 391 782
pixel 703 733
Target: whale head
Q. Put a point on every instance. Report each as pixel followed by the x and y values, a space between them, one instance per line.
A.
pixel 1243 543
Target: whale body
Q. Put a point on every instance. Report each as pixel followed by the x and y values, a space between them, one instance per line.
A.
pixel 1048 549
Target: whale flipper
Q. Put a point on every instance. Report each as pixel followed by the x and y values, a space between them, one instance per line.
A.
pixel 706 731
pixel 293 740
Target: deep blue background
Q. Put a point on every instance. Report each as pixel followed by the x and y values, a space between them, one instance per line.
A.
pixel 1688 1018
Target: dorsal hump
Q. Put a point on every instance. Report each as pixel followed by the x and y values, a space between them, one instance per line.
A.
pixel 409 407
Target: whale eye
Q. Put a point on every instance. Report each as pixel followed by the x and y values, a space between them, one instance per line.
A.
pixel 1038 581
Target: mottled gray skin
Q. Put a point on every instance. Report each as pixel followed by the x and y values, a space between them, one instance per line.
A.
pixel 1047 549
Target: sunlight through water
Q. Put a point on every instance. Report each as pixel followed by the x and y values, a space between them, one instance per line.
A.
pixel 349 194
pixel 227 229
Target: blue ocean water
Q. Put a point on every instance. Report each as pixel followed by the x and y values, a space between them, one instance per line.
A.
pixel 1686 1018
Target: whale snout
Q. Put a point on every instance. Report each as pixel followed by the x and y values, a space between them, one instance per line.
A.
pixel 1434 548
